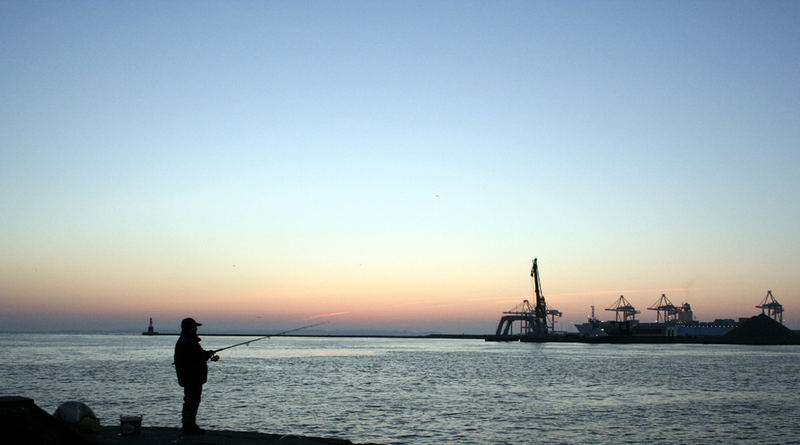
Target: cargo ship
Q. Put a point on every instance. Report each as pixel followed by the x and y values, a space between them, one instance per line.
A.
pixel 673 321
pixel 592 328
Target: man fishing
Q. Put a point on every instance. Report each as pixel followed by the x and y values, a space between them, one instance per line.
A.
pixel 192 368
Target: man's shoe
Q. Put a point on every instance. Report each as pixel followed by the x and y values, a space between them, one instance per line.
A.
pixel 193 430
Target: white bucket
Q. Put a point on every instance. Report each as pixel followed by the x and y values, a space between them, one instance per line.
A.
pixel 130 425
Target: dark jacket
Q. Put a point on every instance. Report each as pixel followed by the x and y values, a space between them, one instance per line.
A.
pixel 191 360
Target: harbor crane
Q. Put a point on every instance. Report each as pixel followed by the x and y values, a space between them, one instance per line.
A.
pixel 524 313
pixel 533 319
pixel 771 308
pixel 665 310
pixel 624 310
pixel 553 313
pixel 540 322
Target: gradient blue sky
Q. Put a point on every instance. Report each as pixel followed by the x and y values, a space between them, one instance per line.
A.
pixel 397 164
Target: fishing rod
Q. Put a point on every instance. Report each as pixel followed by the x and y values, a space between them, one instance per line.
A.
pixel 268 336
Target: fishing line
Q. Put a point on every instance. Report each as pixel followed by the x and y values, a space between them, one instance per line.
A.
pixel 268 336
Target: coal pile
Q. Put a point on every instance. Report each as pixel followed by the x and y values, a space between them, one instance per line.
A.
pixel 761 330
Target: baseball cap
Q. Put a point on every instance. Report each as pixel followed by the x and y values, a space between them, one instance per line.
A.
pixel 189 323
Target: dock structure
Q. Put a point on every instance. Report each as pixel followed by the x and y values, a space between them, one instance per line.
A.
pixel 674 324
pixel 553 313
pixel 524 313
pixel 771 308
pixel 532 319
pixel 665 310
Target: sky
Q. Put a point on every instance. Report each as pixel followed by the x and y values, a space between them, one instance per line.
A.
pixel 260 165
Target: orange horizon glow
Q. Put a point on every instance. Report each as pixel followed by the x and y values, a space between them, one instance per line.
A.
pixel 402 311
pixel 415 295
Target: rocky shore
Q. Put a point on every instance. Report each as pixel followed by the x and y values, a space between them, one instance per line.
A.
pixel 24 423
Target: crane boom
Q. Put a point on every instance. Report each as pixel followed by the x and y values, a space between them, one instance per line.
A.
pixel 541 305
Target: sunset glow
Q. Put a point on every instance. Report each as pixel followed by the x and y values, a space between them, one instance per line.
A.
pixel 394 166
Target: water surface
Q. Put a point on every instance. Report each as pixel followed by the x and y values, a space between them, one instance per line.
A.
pixel 426 391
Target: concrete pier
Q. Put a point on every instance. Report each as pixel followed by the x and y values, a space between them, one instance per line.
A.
pixel 173 436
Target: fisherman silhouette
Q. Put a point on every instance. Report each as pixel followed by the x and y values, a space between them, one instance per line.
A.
pixel 192 368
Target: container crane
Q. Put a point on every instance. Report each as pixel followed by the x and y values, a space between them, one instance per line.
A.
pixel 771 308
pixel 623 307
pixel 666 311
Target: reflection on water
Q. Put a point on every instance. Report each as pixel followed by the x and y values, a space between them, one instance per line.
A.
pixel 428 391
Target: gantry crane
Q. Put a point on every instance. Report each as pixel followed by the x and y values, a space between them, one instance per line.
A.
pixel 666 311
pixel 622 306
pixel 771 308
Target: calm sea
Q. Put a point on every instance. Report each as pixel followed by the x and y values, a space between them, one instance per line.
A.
pixel 421 391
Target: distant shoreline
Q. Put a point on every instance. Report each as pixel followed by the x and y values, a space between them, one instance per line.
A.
pixel 568 338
